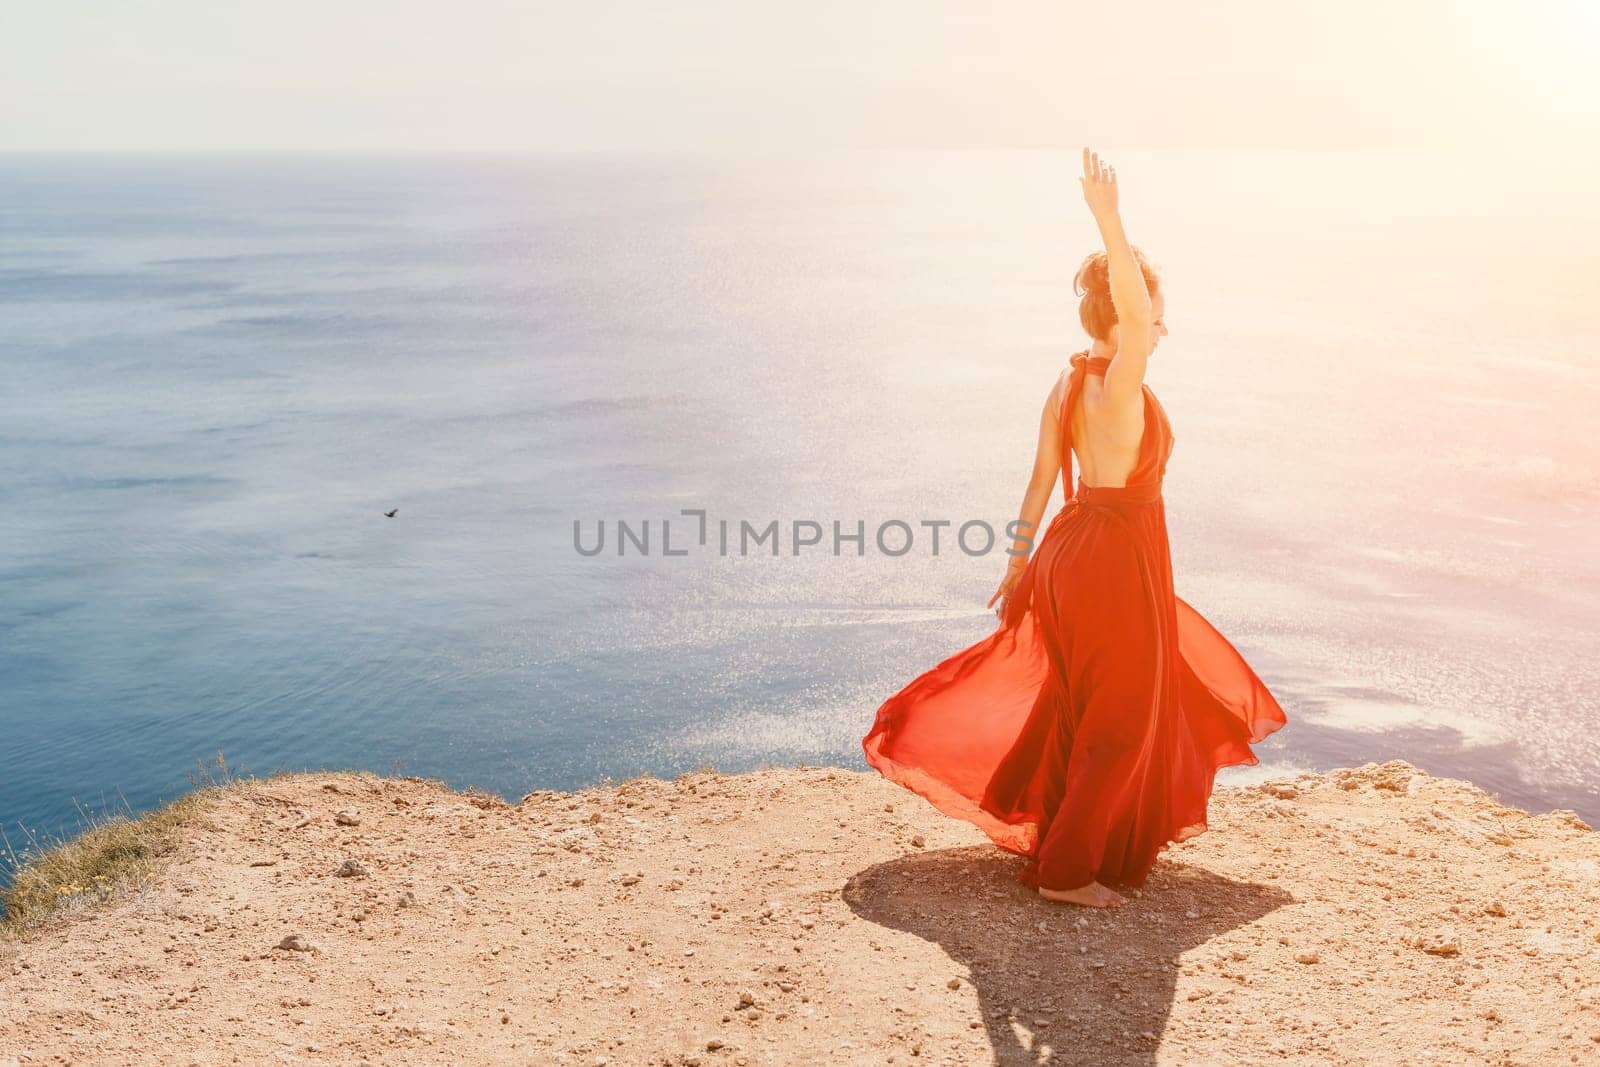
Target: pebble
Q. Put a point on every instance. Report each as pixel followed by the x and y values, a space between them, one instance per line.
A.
pixel 347 817
pixel 351 869
pixel 295 943
pixel 1306 957
pixel 1440 943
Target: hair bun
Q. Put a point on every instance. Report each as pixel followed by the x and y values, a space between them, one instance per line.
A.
pixel 1094 275
pixel 1097 311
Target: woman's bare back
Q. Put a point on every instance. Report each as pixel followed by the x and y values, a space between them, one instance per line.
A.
pixel 1105 440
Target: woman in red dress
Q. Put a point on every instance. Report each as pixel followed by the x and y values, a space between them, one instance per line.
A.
pixel 1085 733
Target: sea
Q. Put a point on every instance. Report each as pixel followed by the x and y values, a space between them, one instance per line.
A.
pixel 667 439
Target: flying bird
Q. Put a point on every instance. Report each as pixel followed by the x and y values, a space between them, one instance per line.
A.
pixel 390 514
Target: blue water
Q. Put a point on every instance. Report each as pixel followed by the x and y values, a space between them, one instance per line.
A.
pixel 219 372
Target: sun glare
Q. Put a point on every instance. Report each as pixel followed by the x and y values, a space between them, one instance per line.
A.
pixel 1540 59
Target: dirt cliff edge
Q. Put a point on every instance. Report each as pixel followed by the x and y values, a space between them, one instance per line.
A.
pixel 818 915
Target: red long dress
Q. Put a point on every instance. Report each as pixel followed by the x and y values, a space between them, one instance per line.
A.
pixel 1085 733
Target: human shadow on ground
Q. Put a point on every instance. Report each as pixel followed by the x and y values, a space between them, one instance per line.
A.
pixel 1059 984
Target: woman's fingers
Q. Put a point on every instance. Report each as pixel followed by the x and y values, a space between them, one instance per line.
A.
pixel 1096 169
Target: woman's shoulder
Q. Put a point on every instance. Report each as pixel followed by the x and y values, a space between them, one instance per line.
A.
pixel 1057 397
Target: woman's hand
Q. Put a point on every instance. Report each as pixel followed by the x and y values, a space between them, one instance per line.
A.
pixel 1008 585
pixel 1099 183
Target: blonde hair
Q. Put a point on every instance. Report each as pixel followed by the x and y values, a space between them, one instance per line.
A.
pixel 1092 283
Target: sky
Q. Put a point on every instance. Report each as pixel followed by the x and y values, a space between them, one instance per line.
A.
pixel 503 76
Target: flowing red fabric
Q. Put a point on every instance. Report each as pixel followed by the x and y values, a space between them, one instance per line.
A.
pixel 1085 733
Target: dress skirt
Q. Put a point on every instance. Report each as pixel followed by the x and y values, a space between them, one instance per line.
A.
pixel 1086 731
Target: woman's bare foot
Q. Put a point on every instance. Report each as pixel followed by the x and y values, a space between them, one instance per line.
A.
pixel 1093 895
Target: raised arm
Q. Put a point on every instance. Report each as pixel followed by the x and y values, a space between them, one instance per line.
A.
pixel 1041 483
pixel 1136 333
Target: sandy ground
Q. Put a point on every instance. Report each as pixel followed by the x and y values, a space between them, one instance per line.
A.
pixel 819 915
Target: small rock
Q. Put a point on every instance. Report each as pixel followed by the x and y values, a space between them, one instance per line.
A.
pixel 1494 907
pixel 1306 957
pixel 1570 818
pixel 351 869
pixel 917 841
pixel 1394 776
pixel 1440 943
pixel 347 817
pixel 954 983
pixel 295 943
